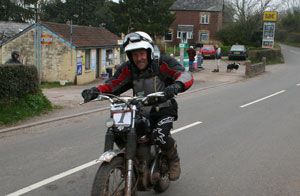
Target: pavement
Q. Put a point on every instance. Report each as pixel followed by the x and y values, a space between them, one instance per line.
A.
pixel 68 98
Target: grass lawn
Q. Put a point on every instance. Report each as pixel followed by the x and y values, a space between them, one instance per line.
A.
pixel 23 108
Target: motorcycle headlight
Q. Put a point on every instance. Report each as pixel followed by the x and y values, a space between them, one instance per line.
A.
pixel 109 123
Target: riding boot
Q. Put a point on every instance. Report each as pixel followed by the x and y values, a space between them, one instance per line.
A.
pixel 174 163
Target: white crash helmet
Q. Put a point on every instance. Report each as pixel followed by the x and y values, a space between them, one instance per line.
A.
pixel 138 40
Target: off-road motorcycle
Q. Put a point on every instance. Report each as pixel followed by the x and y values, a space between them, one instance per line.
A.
pixel 137 164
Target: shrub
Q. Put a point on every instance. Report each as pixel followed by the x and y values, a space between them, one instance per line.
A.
pixel 17 81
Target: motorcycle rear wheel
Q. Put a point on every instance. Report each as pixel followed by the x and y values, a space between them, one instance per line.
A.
pixel 110 179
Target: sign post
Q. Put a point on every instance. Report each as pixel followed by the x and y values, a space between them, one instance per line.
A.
pixel 181 46
pixel 269 29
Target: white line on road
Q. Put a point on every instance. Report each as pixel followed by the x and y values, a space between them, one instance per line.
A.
pixel 76 169
pixel 185 127
pixel 242 106
pixel 298 84
pixel 295 52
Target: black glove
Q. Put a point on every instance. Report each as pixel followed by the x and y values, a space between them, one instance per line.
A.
pixel 173 90
pixel 90 94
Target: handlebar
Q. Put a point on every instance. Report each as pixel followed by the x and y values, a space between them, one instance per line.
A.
pixel 132 100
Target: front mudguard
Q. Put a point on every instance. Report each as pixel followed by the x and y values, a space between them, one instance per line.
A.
pixel 109 155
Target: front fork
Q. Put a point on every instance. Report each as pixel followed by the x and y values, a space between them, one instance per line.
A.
pixel 130 156
pixel 109 140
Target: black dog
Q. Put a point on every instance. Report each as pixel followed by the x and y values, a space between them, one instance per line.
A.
pixel 233 66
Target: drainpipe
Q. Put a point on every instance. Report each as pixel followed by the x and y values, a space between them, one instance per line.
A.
pixel 40 53
pixel 71 41
pixel 35 44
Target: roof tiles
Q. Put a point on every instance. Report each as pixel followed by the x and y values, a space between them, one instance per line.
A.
pixel 83 36
pixel 198 5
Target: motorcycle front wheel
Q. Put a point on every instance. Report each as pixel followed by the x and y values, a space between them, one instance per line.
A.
pixel 110 179
pixel 163 183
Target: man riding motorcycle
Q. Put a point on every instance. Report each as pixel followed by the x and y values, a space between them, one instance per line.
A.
pixel 145 74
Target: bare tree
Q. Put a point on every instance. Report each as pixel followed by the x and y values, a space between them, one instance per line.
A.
pixel 246 9
pixel 291 4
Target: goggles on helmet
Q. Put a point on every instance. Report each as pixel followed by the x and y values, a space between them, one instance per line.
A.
pixel 134 37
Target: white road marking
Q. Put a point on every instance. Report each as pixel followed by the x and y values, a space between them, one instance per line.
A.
pixel 242 106
pixel 52 179
pixel 298 84
pixel 294 51
pixel 185 127
pixel 76 169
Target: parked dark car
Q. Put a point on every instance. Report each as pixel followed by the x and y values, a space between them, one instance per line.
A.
pixel 208 51
pixel 238 52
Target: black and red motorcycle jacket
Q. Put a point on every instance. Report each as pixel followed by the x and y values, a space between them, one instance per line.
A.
pixel 154 78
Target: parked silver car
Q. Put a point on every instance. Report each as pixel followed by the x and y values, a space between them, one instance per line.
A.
pixel 156 52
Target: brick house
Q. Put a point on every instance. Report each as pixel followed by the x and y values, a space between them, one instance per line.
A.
pixel 59 55
pixel 197 21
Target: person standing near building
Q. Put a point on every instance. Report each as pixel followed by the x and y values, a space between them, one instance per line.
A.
pixel 199 60
pixel 218 58
pixel 192 53
pixel 14 58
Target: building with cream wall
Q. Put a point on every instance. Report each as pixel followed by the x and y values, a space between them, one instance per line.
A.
pixel 59 55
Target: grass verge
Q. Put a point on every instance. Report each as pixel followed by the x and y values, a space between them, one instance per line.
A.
pixel 277 60
pixel 21 109
pixel 295 44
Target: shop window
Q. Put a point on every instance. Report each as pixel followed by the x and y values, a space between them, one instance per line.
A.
pixel 109 57
pixel 87 59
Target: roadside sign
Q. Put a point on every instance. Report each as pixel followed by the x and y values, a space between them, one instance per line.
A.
pixel 79 66
pixel 46 39
pixel 270 16
pixel 183 45
pixel 269 30
pixel 268 44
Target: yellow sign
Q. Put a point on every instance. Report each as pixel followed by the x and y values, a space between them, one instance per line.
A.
pixel 270 16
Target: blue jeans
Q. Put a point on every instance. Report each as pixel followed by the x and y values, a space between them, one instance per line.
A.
pixel 191 66
pixel 199 61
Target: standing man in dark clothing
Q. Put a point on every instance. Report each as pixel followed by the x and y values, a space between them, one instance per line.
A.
pixel 192 53
pixel 14 58
pixel 145 74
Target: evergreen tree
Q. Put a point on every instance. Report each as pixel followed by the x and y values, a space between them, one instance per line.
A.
pixel 82 12
pixel 152 17
pixel 15 11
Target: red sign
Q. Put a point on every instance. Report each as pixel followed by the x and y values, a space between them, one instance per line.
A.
pixel 47 39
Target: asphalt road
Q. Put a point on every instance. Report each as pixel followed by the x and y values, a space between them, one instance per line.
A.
pixel 246 143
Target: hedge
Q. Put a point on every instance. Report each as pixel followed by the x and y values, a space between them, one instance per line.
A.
pixel 17 81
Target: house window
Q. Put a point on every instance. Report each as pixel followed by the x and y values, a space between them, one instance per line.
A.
pixel 203 37
pixel 188 35
pixel 169 36
pixel 204 18
pixel 87 59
